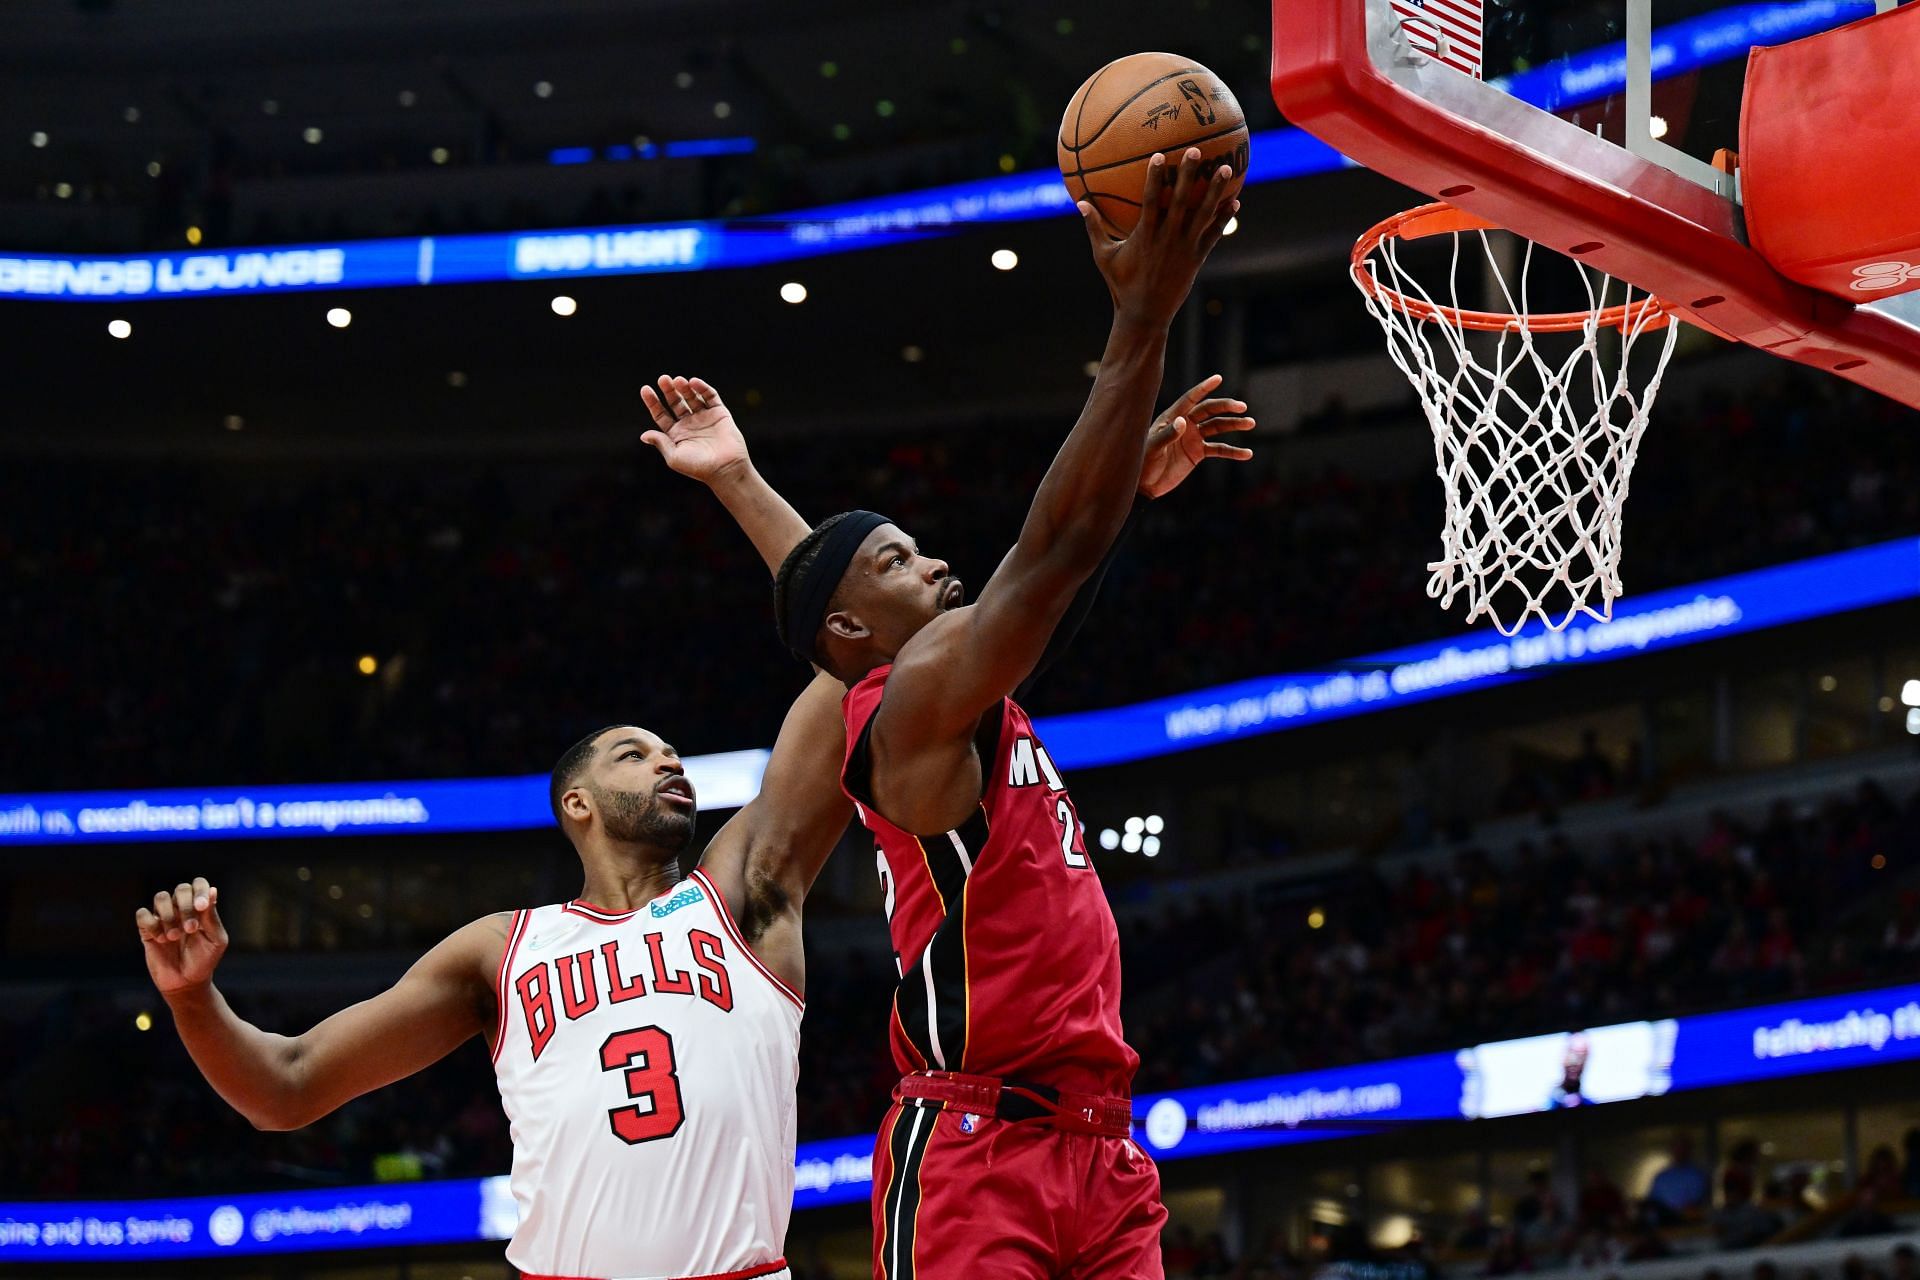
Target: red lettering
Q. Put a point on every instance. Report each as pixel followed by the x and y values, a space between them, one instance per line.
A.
pixel 579 990
pixel 712 957
pixel 680 984
pixel 536 1006
pixel 620 988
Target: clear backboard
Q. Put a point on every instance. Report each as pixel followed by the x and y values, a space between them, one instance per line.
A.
pixel 1591 127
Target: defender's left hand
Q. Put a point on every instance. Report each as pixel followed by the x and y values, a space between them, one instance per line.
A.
pixel 696 433
pixel 1182 437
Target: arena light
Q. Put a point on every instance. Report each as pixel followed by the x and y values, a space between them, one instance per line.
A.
pixel 1131 842
pixel 1657 126
pixel 1005 259
pixel 153 168
pixel 794 292
pixel 440 155
pixel 564 306
pixel 1109 838
pixel 1913 721
pixel 37 139
pixel 270 107
pixel 120 328
pixel 722 109
pixel 233 422
pixel 367 665
pixel 63 189
pixel 339 317
pixel 1150 846
pixel 683 79
pixel 131 115
pixel 143 1021
pixel 1155 824
pixel 1910 693
pixel 828 70
pixel 1233 225
pixel 1316 919
pixel 408 97
pixel 543 88
pixel 884 108
pixel 193 235
pixel 313 135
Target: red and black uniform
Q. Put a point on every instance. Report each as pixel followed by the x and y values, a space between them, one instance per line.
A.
pixel 1005 1152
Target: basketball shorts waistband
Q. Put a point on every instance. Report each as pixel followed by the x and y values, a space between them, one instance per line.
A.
pixel 1020 1100
pixel 775 1270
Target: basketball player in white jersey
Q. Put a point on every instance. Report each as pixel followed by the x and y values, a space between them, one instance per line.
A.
pixel 645 1035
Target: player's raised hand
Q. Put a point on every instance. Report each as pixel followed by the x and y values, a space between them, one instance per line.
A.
pixel 695 432
pixel 1182 437
pixel 183 936
pixel 1150 271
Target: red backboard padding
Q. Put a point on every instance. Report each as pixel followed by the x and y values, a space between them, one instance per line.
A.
pixel 1830 157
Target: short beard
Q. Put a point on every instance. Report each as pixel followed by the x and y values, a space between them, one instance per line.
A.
pixel 635 817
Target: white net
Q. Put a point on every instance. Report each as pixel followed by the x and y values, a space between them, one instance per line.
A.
pixel 1536 421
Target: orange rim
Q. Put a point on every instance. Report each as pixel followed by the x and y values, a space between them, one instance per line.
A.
pixel 1440 219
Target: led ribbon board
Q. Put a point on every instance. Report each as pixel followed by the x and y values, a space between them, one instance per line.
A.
pixel 863 224
pixel 1510 1077
pixel 1654 622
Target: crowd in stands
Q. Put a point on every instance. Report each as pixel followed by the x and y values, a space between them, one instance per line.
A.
pixel 176 623
pixel 1542 938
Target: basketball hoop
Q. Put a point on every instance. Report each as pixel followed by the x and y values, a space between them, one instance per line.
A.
pixel 1535 427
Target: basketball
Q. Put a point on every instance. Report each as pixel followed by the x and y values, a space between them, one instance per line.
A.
pixel 1136 107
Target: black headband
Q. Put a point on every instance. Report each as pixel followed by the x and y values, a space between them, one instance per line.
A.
pixel 813 586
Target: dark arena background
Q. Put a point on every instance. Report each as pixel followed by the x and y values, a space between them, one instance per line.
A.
pixel 325 526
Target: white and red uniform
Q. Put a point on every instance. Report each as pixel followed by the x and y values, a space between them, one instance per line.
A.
pixel 647 1062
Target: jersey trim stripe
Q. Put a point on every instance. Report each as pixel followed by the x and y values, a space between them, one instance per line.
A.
pixel 907 1145
pixel 599 915
pixel 750 1273
pixel 935 1005
pixel 518 928
pixel 739 939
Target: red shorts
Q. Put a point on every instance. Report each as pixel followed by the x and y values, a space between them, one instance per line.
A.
pixel 966 1197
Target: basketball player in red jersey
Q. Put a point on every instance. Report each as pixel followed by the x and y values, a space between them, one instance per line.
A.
pixel 1007 1151
pixel 645 1035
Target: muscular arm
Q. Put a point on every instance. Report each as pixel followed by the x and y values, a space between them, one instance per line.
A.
pixel 767 857
pixel 925 772
pixel 285 1082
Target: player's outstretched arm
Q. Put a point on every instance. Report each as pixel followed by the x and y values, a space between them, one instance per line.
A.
pixel 696 434
pixel 285 1082
pixel 925 775
pixel 768 855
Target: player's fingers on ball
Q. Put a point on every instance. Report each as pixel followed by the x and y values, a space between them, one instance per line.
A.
pixel 1102 233
pixel 1183 182
pixel 1151 191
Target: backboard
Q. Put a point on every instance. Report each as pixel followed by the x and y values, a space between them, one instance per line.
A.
pixel 1590 127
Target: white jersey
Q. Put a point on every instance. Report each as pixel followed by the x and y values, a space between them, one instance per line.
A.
pixel 647 1061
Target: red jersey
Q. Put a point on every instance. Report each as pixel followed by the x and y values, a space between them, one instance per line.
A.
pixel 1008 956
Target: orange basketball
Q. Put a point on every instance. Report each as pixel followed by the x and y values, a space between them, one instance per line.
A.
pixel 1135 107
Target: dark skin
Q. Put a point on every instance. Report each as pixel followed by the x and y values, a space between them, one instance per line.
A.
pixel 952 661
pixel 764 860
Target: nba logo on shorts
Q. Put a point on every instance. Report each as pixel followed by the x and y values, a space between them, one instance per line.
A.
pixel 969 1122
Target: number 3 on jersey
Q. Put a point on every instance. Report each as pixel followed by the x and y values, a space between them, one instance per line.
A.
pixel 645 1056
